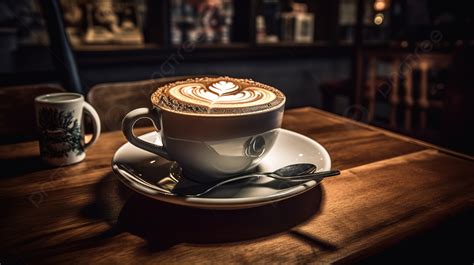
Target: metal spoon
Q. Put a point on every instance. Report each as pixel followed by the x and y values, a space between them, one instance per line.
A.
pixel 185 187
pixel 290 173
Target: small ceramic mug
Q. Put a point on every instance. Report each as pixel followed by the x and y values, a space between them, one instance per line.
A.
pixel 60 124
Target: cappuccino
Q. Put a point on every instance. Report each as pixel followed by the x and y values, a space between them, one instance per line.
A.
pixel 217 95
pixel 214 127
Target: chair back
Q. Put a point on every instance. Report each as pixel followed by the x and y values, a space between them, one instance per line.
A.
pixel 114 100
pixel 17 111
pixel 410 95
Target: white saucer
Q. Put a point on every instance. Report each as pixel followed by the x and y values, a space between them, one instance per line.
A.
pixel 290 148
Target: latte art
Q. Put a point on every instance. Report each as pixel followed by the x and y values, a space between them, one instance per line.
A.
pixel 223 87
pixel 197 93
pixel 222 95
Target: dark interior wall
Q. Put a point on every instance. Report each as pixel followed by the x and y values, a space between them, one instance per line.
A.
pixel 299 78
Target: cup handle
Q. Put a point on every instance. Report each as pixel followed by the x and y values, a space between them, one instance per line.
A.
pixel 89 110
pixel 128 123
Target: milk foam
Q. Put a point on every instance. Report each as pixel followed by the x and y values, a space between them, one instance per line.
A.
pixel 223 95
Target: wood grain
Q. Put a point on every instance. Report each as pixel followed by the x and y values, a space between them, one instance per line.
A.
pixel 390 189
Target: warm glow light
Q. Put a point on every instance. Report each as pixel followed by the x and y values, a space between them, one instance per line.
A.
pixel 379 5
pixel 378 19
pixel 424 65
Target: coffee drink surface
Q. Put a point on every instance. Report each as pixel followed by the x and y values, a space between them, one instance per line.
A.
pixel 217 95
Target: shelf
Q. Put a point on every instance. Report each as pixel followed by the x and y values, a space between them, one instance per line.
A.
pixel 113 47
pixel 234 45
pixel 412 47
pixel 315 44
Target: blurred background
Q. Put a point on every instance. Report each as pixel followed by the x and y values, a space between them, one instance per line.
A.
pixel 405 66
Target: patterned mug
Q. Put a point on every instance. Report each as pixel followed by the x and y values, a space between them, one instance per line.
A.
pixel 61 129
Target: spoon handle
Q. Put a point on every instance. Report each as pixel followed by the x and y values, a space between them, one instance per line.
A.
pixel 228 181
pixel 318 176
pixel 312 176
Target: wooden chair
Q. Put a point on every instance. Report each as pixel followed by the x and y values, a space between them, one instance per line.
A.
pixel 114 100
pixel 17 111
pixel 399 87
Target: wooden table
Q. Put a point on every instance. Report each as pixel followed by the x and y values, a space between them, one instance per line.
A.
pixel 391 188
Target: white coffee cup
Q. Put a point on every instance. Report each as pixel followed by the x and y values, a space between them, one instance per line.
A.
pixel 209 146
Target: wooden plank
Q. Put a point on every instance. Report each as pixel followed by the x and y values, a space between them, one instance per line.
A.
pixel 373 206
